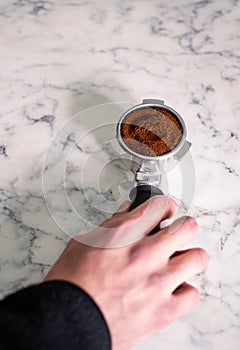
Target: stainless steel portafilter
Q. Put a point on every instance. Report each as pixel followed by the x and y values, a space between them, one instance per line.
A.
pixel 154 147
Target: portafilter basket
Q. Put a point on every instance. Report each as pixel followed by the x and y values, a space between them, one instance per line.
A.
pixel 151 166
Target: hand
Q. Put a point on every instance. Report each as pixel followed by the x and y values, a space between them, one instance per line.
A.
pixel 141 287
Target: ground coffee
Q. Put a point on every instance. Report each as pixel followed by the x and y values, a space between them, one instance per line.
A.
pixel 151 131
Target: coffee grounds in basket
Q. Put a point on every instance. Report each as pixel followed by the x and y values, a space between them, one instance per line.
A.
pixel 151 131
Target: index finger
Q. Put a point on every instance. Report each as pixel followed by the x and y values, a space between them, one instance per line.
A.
pixel 122 230
pixel 130 227
pixel 145 217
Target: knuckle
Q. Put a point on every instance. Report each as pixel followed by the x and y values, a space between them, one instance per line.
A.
pixel 138 253
pixel 186 223
pixel 118 222
pixel 194 295
pixel 165 201
pixel 202 257
pixel 160 202
pixel 173 204
pixel 158 198
pixel 154 279
pixel 192 225
pixel 72 242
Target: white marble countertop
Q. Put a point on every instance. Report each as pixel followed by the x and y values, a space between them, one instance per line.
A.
pixel 60 57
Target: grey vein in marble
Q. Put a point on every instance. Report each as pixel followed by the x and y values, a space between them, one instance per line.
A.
pixel 61 57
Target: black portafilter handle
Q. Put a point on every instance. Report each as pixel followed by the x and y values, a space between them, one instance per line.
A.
pixel 140 194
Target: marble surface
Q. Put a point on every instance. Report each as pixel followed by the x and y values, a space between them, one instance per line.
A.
pixel 59 58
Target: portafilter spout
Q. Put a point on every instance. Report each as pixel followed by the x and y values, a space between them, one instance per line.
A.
pixel 154 134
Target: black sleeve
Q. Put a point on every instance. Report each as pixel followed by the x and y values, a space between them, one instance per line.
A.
pixel 52 315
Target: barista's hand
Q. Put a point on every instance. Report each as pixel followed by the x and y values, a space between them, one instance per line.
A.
pixel 140 287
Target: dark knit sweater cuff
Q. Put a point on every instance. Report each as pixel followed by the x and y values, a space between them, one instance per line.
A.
pixel 52 315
